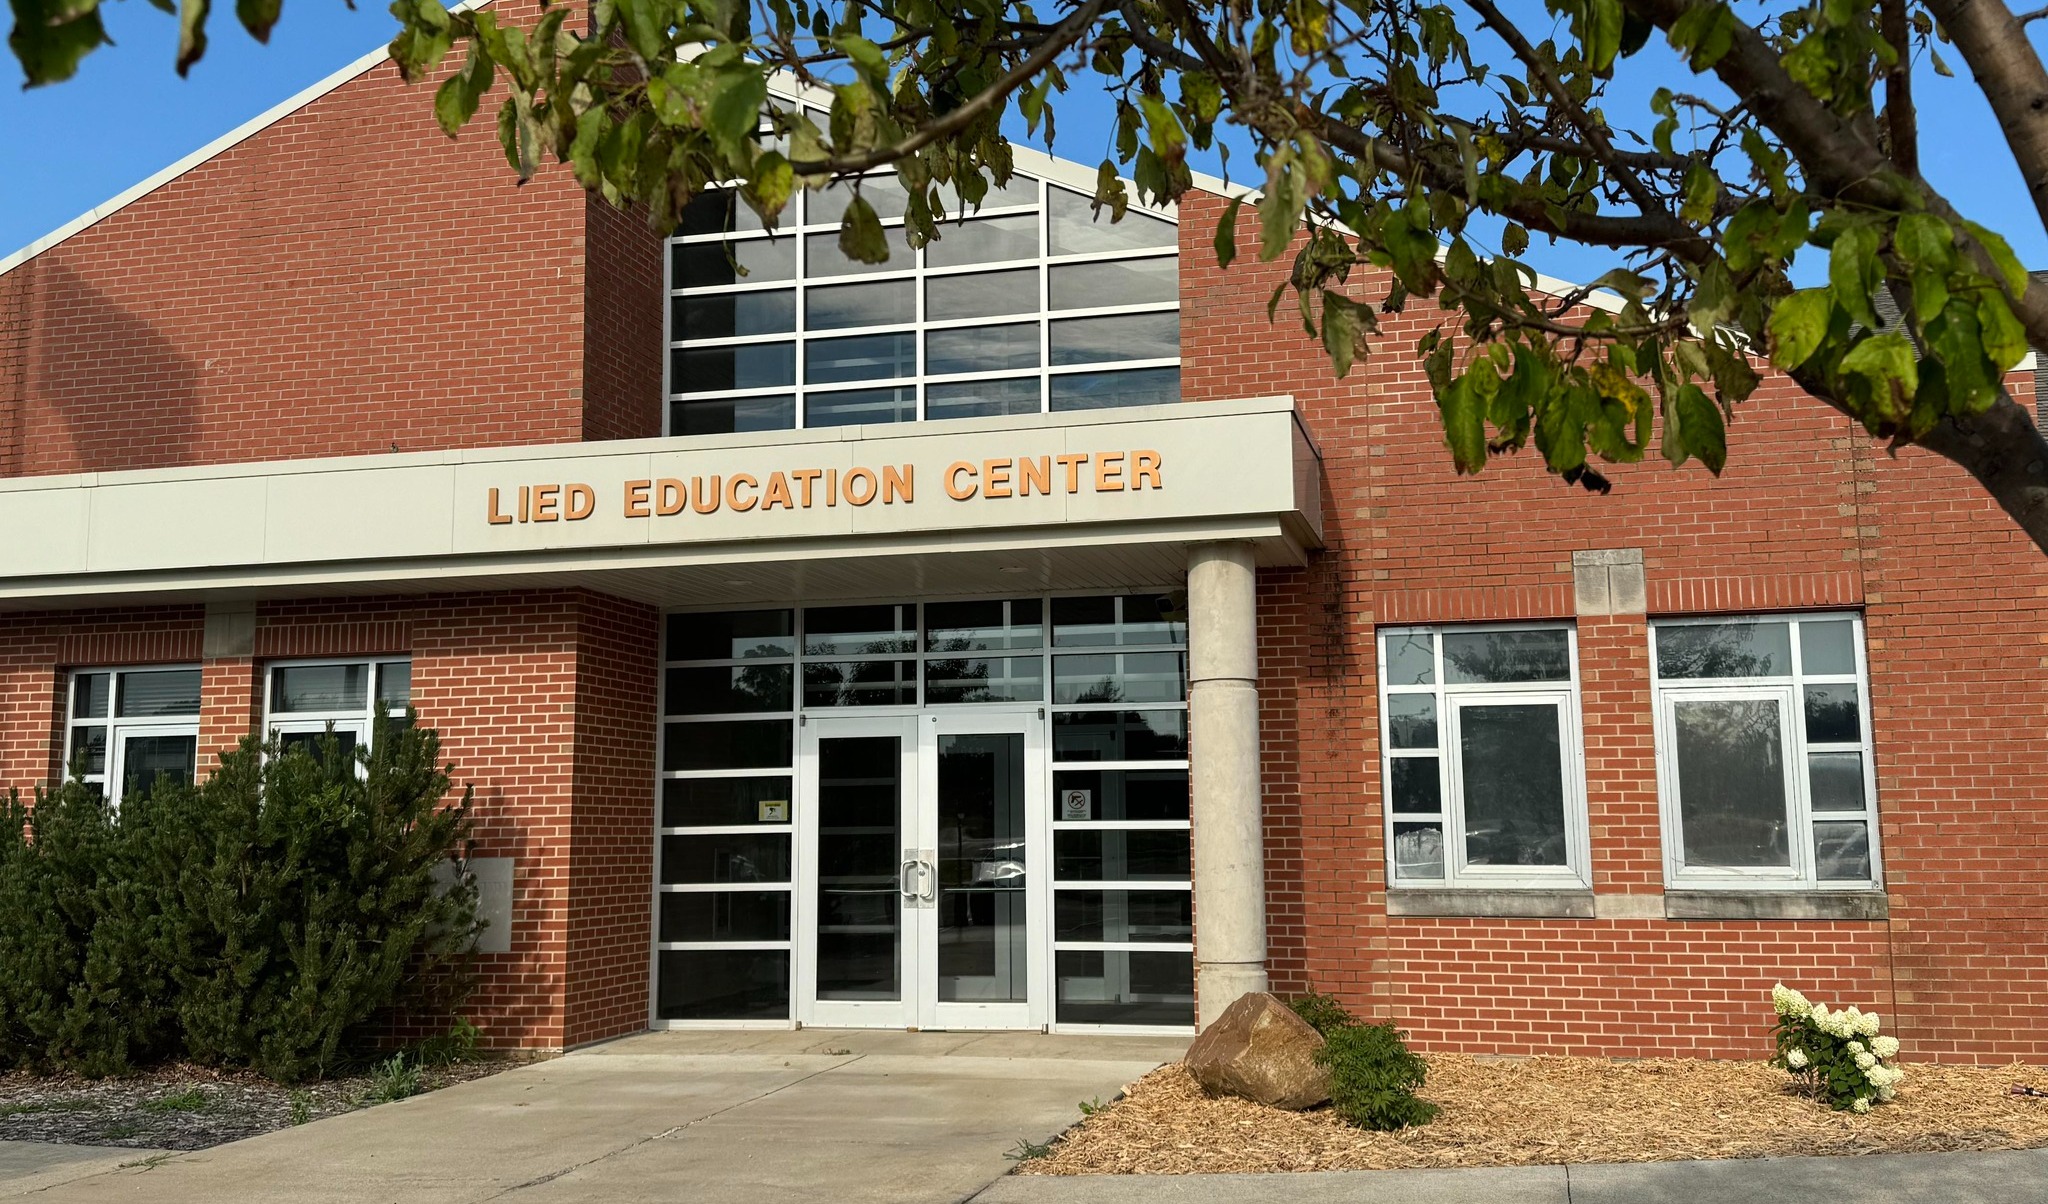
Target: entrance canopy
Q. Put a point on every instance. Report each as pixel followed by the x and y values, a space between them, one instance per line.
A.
pixel 1063 501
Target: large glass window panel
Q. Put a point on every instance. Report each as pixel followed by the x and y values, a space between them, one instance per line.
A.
pixel 152 692
pixel 981 295
pixel 864 683
pixel 723 984
pixel 148 760
pixel 1833 715
pixel 741 366
pixel 984 240
pixel 1118 986
pixel 1136 677
pixel 717 857
pixel 1134 619
pixel 316 744
pixel 1749 648
pixel 394 685
pixel 983 398
pixel 985 626
pixel 1503 657
pixel 732 315
pixel 985 679
pixel 1077 227
pixel 854 407
pixel 88 750
pixel 1113 855
pixel 1731 782
pixel 1418 852
pixel 883 193
pixel 731 415
pixel 982 867
pixel 1415 786
pixel 1512 781
pixel 91 694
pixel 725 915
pixel 860 357
pixel 749 261
pixel 1841 851
pixel 1115 282
pixel 316 688
pixel 822 257
pixel 1827 646
pixel 1017 190
pixel 981 348
pixel 1120 337
pixel 717 211
pixel 732 635
pixel 1835 781
pixel 876 303
pixel 1123 915
pixel 727 744
pixel 729 689
pixel 1119 735
pixel 726 802
pixel 1411 721
pixel 1081 795
pixel 1411 658
pixel 860 843
pixel 1114 390
pixel 859 630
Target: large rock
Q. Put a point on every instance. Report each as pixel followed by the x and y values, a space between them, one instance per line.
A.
pixel 1259 1050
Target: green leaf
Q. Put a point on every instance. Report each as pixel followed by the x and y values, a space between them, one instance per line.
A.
pixel 2002 258
pixel 1345 325
pixel 735 110
pixel 49 50
pixel 590 131
pixel 1226 233
pixel 259 16
pixel 456 100
pixel 2005 340
pixel 1887 362
pixel 191 32
pixel 1514 240
pixel 646 26
pixel 860 233
pixel 1925 241
pixel 1464 428
pixel 1798 325
pixel 1700 427
pixel 1854 274
pixel 1280 207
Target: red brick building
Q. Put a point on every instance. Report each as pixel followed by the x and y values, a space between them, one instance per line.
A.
pixel 1026 633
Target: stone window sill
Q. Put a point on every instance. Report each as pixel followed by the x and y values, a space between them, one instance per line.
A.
pixel 1776 905
pixel 1549 904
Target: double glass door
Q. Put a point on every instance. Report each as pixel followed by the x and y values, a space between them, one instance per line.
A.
pixel 922 906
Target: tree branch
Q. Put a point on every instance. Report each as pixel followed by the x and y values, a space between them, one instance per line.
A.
pixel 1899 118
pixel 1994 43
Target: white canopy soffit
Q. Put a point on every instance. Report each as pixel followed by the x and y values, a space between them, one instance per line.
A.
pixel 966 506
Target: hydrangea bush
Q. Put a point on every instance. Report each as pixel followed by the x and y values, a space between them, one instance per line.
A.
pixel 1839 1056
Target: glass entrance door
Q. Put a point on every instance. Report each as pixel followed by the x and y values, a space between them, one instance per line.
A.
pixel 920 908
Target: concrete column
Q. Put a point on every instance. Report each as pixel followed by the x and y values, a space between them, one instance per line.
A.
pixel 1223 713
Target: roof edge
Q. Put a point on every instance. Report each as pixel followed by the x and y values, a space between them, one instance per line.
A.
pixel 234 137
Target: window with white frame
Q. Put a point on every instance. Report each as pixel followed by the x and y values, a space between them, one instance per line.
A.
pixel 305 698
pixel 127 728
pixel 1763 753
pixel 1032 303
pixel 1480 757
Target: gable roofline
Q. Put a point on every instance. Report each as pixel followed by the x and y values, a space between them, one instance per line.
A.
pixel 234 137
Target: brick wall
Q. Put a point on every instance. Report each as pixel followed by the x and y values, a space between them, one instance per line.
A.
pixel 1808 514
pixel 346 281
pixel 545 706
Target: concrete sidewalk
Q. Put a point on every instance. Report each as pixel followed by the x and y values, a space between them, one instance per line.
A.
pixel 2004 1177
pixel 724 1117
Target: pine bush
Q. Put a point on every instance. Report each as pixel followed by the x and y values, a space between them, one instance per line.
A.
pixel 1373 1074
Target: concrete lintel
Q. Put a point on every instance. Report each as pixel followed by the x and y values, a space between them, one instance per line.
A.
pixel 1776 905
pixel 1546 904
pixel 1609 581
pixel 230 631
pixel 1628 907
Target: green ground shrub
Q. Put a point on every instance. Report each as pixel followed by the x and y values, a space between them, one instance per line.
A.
pixel 273 916
pixel 1373 1074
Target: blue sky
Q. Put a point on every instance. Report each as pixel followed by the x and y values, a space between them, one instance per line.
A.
pixel 127 114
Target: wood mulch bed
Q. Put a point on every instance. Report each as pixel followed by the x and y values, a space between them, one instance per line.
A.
pixel 189 1107
pixel 1547 1110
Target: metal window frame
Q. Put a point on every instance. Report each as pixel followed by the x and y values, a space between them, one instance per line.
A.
pixel 1802 875
pixel 361 720
pixel 110 787
pixel 1567 695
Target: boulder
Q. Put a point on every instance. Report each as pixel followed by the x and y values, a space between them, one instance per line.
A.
pixel 1259 1050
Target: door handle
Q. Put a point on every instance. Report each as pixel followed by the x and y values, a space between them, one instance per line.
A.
pixel 903 873
pixel 930 873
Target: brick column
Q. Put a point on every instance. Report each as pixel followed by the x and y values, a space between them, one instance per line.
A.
pixel 230 684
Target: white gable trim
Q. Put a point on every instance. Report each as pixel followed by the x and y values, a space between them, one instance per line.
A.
pixel 232 138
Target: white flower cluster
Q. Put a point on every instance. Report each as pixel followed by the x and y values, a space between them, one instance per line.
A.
pixel 1788 1002
pixel 1847 1023
pixel 1859 1042
pixel 1796 1059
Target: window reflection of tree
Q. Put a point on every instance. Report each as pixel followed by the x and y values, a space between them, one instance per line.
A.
pixel 1507 656
pixel 1731 790
pixel 1513 785
pixel 1716 650
pixel 855 682
pixel 964 679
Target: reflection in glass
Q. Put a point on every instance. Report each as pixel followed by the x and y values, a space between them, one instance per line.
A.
pixel 1836 779
pixel 860 850
pixel 729 689
pixel 1110 855
pixel 984 240
pixel 860 357
pixel 1740 649
pixel 1832 715
pixel 1115 282
pixel 1119 986
pixel 1119 735
pixel 731 635
pixel 1077 227
pixel 865 683
pixel 731 315
pixel 314 688
pixel 1511 759
pixel 859 630
pixel 1121 337
pixel 1136 677
pixel 1123 915
pixel 148 760
pixel 394 685
pixel 1113 390
pixel 737 366
pixel 1841 851
pixel 881 303
pixel 985 679
pixel 1418 851
pixel 315 744
pixel 1415 786
pixel 734 744
pixel 991 626
pixel 89 695
pixel 752 261
pixel 716 211
pixel 981 295
pixel 822 257
pixel 1731 782
pixel 1502 657
pixel 1827 646
pixel 983 398
pixel 852 407
pixel 984 946
pixel 1411 721
pixel 725 857
pixel 1411 659
pixel 723 984
pixel 1113 794
pixel 730 415
pixel 154 692
pixel 725 915
pixel 88 750
pixel 1135 619
pixel 884 194
pixel 718 802
pixel 981 348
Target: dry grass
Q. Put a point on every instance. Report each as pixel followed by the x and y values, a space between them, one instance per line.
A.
pixel 1552 1110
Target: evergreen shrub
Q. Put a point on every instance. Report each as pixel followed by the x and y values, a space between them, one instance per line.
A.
pixel 273 916
pixel 1373 1074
